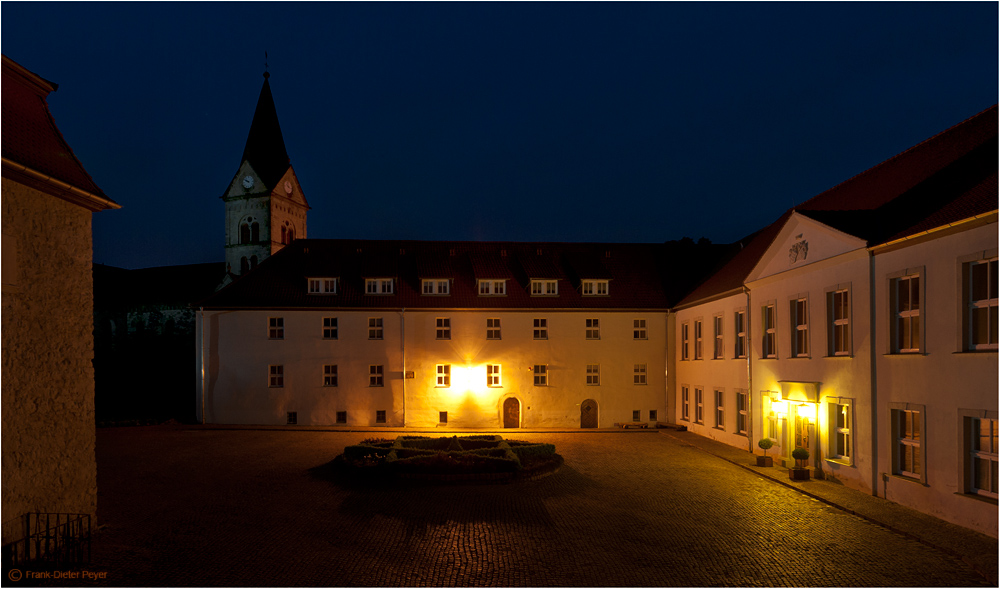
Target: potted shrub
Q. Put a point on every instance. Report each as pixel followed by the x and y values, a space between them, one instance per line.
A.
pixel 765 445
pixel 799 472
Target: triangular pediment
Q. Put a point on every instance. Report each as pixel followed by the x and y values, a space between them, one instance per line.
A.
pixel 240 185
pixel 800 242
pixel 288 187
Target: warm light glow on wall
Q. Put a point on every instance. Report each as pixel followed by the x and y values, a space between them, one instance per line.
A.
pixel 780 408
pixel 469 379
pixel 807 410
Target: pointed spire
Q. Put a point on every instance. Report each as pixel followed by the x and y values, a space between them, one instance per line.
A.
pixel 265 148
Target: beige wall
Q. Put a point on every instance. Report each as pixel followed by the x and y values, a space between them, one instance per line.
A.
pixel 48 380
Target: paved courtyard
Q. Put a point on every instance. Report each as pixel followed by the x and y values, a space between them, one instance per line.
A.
pixel 191 506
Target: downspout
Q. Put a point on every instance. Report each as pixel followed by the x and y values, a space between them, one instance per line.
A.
pixel 402 352
pixel 747 350
pixel 666 365
pixel 874 371
pixel 201 313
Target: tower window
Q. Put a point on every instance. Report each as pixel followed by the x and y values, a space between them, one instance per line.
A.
pixel 244 233
pixel 255 232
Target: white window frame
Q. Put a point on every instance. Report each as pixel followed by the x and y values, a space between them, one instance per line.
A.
pixel 990 304
pixel 769 332
pixel 443 373
pixel 742 412
pixel 698 339
pixel 275 328
pixel 799 320
pixel 379 286
pixel 639 329
pixel 973 454
pixel 903 445
pixel 740 329
pixel 331 331
pixel 699 405
pixel 494 374
pixel 593 328
pixel 595 288
pixel 323 285
pixel 493 330
pixel 380 415
pixel 540 328
pixel 593 375
pixel 492 287
pixel 910 316
pixel 330 375
pixel 376 329
pixel 544 288
pixel 376 375
pixel 541 375
pixel 639 374
pixel 838 302
pixel 685 341
pixel 276 376
pixel 435 286
pixel 685 403
pixel 718 327
pixel 720 409
pixel 442 328
pixel 840 433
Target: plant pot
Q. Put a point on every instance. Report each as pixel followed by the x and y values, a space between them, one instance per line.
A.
pixel 798 474
pixel 765 461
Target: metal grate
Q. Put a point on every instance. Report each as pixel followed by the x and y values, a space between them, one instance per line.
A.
pixel 60 539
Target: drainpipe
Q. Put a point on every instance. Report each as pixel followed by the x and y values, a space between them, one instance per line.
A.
pixel 747 351
pixel 874 371
pixel 201 313
pixel 402 352
pixel 669 415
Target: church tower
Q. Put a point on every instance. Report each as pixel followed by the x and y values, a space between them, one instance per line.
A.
pixel 265 207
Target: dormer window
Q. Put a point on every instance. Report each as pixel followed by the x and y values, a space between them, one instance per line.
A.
pixel 595 287
pixel 492 287
pixel 378 285
pixel 544 287
pixel 323 285
pixel 435 287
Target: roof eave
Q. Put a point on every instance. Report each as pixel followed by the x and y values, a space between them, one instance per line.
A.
pixel 55 187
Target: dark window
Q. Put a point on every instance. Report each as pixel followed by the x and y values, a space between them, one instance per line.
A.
pixel 380 417
pixel 255 232
pixel 244 265
pixel 244 233
pixel 293 418
pixel 342 417
pixel 443 417
pixel 636 415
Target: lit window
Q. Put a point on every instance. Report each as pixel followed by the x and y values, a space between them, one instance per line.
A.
pixel 838 303
pixel 699 405
pixel 907 429
pixel 375 376
pixel 492 287
pixel 983 460
pixel 906 320
pixel 685 404
pixel 541 372
pixel 840 431
pixel 444 375
pixel 742 412
pixel 800 328
pixel 493 328
pixel 374 328
pixel 981 297
pixel 493 375
pixel 541 329
pixel 276 328
pixel 323 285
pixel 380 416
pixel 435 287
pixel 276 375
pixel 697 339
pixel 685 342
pixel 740 320
pixel 717 326
pixel 378 285
pixel 638 329
pixel 595 287
pixel 329 328
pixel 639 374
pixel 544 287
pixel 443 328
pixel 593 374
pixel 330 375
pixel 768 344
pixel 720 409
pixel 593 329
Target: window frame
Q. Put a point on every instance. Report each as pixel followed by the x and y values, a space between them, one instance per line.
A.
pixel 720 409
pixel 699 331
pixel 594 288
pixel 685 341
pixel 640 375
pixel 341 417
pixel 492 287
pixel 912 316
pixel 592 328
pixel 593 373
pixel 331 328
pixel 840 436
pixel 442 328
pixel 322 285
pixel 275 376
pixel 380 416
pixel 742 412
pixel 541 375
pixel 836 324
pixel 379 286
pixel 798 319
pixel 969 425
pixel 376 328
pixel 540 329
pixel 718 327
pixel 896 410
pixel 544 288
pixel 376 375
pixel 699 405
pixel 442 376
pixel 639 330
pixel 275 328
pixel 685 403
pixel 493 329
pixel 740 331
pixel 769 331
pixel 494 376
pixel 437 287
pixel 330 375
pixel 970 305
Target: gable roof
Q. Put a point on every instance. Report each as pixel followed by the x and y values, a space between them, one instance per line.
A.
pixel 34 150
pixel 265 147
pixel 640 274
pixel 947 178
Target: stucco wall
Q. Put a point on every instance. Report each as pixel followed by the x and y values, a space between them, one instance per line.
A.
pixel 48 379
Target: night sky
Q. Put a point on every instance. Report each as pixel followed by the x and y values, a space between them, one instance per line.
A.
pixel 493 121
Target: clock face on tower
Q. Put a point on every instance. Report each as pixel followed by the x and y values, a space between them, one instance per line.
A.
pixel 248 182
pixel 288 187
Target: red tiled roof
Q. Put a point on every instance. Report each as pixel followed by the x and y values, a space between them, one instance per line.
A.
pixel 639 274
pixel 29 133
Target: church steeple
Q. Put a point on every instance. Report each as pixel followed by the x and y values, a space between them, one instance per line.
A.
pixel 265 207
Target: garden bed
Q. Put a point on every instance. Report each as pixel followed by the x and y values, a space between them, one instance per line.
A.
pixel 481 458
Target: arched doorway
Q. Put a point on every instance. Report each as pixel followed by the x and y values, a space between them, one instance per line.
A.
pixel 511 412
pixel 588 414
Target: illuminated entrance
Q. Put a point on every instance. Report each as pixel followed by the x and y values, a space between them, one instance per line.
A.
pixel 511 412
pixel 588 413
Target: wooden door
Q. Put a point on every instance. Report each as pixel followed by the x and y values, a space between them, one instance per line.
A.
pixel 588 413
pixel 511 412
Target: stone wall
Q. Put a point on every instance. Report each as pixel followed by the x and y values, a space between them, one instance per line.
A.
pixel 48 427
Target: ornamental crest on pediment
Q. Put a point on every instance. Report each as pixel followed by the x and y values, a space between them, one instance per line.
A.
pixel 798 251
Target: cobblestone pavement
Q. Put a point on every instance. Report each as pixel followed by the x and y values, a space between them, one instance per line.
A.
pixel 193 506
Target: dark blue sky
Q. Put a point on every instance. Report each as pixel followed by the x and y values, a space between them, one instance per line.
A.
pixel 496 121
